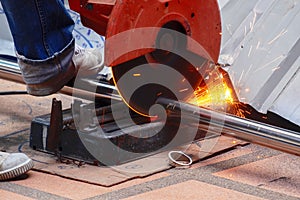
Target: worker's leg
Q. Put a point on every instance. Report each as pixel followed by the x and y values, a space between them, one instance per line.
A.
pixel 42 33
pixel 40 28
pixel 13 165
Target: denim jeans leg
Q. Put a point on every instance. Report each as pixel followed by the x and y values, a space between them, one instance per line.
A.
pixel 42 33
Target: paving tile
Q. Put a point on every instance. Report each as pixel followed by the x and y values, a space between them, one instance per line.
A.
pixel 61 186
pixel 138 181
pixel 226 156
pixel 279 173
pixel 17 111
pixel 74 189
pixel 12 196
pixel 193 190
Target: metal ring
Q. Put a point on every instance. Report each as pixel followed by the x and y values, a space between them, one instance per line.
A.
pixel 180 163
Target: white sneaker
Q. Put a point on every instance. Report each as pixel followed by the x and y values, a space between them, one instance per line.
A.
pixel 13 165
pixel 88 61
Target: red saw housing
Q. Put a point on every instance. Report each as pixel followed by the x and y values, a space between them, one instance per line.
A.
pixel 200 20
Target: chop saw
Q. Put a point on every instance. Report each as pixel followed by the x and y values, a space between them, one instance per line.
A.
pixel 183 35
pixel 161 52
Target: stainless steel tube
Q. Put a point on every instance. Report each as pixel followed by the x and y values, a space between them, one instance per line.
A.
pixel 248 130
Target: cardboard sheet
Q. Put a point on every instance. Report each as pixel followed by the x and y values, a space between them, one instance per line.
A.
pixel 109 176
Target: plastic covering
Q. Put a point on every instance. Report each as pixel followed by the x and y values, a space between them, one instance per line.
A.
pixel 260 43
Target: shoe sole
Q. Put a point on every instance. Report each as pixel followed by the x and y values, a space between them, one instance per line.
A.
pixel 16 171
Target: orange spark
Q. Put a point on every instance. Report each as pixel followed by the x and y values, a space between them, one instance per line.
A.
pixel 217 95
pixel 136 75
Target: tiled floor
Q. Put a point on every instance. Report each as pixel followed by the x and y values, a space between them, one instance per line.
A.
pixel 248 172
pixel 269 173
pixel 193 190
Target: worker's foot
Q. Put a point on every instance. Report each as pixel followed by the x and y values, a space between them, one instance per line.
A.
pixel 86 62
pixel 13 165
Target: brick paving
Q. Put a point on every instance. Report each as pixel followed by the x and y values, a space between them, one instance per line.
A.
pixel 244 172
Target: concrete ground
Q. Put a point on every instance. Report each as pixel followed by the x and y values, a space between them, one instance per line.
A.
pixel 243 172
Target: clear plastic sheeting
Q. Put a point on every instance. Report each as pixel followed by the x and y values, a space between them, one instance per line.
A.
pixel 260 46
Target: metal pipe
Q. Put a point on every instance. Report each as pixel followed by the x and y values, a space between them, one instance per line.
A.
pixel 248 130
pixel 9 70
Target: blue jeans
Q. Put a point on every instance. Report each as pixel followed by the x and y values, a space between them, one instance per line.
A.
pixel 42 34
